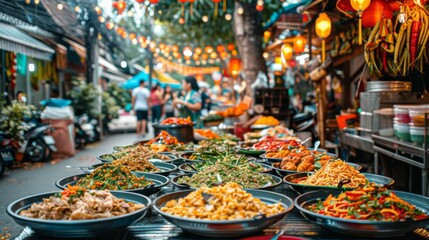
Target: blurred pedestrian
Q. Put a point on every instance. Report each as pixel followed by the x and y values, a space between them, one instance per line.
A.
pixel 140 102
pixel 167 101
pixel 205 101
pixel 190 106
pixel 20 97
pixel 156 103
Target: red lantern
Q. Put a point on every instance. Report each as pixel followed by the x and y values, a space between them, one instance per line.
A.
pixel 115 5
pixel 154 2
pixel 139 1
pixel 299 44
pixel 231 46
pixel 220 48
pixel 259 7
pixel 121 6
pixel 376 10
pixel 110 25
pixel 234 67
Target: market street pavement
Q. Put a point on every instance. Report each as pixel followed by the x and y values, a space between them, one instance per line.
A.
pixel 37 178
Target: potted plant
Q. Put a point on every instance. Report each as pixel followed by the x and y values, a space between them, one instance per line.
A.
pixel 12 122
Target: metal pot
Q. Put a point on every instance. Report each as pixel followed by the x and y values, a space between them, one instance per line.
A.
pixel 183 133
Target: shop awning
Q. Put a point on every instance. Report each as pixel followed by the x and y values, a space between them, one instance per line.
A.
pixel 14 40
pixel 143 75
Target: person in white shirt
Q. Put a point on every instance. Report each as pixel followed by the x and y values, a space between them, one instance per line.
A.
pixel 140 101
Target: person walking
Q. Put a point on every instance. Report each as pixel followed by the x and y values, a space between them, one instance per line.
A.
pixel 140 102
pixel 167 101
pixel 190 106
pixel 156 103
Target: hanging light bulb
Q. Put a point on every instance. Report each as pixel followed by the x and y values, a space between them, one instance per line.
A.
pixel 286 53
pixel 98 10
pixel 359 6
pixel 60 6
pixel 130 13
pixel 240 10
pixel 36 2
pixel 299 44
pixel 101 19
pixel 27 1
pixel 205 18
pixel 228 17
pixel 77 9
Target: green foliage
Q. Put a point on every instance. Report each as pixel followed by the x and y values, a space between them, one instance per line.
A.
pixel 13 120
pixel 109 107
pixel 121 96
pixel 84 99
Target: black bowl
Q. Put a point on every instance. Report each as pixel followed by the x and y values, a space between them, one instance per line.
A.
pixel 78 229
pixel 165 168
pixel 223 229
pixel 363 228
pixel 277 182
pixel 303 188
pixel 159 180
pixel 171 157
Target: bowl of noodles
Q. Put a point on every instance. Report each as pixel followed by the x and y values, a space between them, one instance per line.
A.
pixel 368 212
pixel 334 175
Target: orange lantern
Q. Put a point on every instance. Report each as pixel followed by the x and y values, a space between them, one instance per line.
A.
pixel 152 46
pixel 286 53
pixel 213 55
pixel 267 34
pixel 133 36
pixel 259 8
pixel 175 48
pixel 231 47
pixel 299 44
pixel 142 39
pixel 220 48
pixel 375 11
pixel 139 1
pixel 124 34
pixel 196 57
pixel 120 30
pixel 208 49
pixel 187 51
pixel 323 29
pixel 234 67
pixel 121 6
pixel 359 6
pixel 110 25
pixel 181 20
pixel 223 55
pixel 204 56
pixel 198 50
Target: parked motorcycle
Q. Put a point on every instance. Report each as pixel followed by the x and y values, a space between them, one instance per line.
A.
pixel 38 145
pixel 81 138
pixel 7 152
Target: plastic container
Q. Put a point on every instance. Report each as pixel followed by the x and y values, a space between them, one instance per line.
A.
pixel 402 131
pixel 384 125
pixel 417 116
pixel 417 134
pixel 401 113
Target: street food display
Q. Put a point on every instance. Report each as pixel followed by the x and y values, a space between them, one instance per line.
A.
pixel 135 152
pixel 272 145
pixel 333 172
pixel 220 173
pixel 136 163
pixel 228 202
pixel 176 121
pixel 301 160
pixel 267 120
pixel 76 203
pixel 369 202
pixel 165 138
pixel 234 111
pixel 113 177
pixel 207 133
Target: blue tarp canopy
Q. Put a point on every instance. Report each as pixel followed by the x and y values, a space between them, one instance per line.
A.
pixel 135 81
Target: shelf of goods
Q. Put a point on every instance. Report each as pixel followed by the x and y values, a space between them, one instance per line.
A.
pixel 414 155
pixel 275 101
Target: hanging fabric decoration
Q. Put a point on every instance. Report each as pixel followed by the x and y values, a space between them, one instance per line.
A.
pixel 216 11
pixel 183 6
pixel 224 6
pixel 191 2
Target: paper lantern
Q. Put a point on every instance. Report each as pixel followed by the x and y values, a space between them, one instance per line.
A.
pixel 286 53
pixel 267 34
pixel 175 48
pixel 323 29
pixel 198 50
pixel 204 56
pixel 234 67
pixel 208 49
pixel 187 51
pixel 121 6
pixel 154 2
pixel 220 48
pixel 110 25
pixel 375 12
pixel 231 47
pixel 132 36
pixel 299 44
pixel 359 6
pixel 142 39
pixel 213 55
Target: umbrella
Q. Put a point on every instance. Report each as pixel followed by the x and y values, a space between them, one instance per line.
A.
pixel 135 81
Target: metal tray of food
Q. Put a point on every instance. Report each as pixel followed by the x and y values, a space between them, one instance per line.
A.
pixel 78 229
pixel 363 228
pixel 282 172
pixel 185 168
pixel 165 168
pixel 159 180
pixel 303 188
pixel 171 158
pixel 277 182
pixel 226 228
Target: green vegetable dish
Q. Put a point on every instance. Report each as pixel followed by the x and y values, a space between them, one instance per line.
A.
pixel 227 159
pixel 113 177
pixel 222 172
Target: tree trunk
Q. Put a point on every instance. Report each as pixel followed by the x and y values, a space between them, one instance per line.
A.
pixel 248 33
